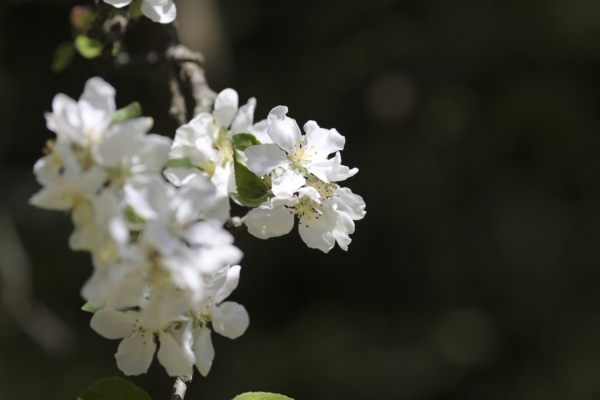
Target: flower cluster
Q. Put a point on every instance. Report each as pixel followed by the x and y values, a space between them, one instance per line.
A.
pixel 162 265
pixel 303 178
pixel 162 11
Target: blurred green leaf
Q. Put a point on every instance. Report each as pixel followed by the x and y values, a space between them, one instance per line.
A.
pixel 91 307
pixel 130 111
pixel 114 388
pixel 251 190
pixel 242 141
pixel 135 9
pixel 261 396
pixel 88 48
pixel 63 55
pixel 179 163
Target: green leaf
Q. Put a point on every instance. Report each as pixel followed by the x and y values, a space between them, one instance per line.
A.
pixel 63 55
pixel 88 48
pixel 242 141
pixel 251 190
pixel 114 388
pixel 135 9
pixel 261 396
pixel 179 163
pixel 133 110
pixel 91 307
pixel 134 221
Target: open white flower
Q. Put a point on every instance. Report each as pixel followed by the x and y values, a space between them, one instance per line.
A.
pixel 162 11
pixel 85 121
pixel 205 142
pixel 307 154
pixel 227 318
pixel 65 182
pixel 325 212
pixel 136 350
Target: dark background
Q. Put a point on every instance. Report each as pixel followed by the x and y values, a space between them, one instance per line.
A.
pixel 475 272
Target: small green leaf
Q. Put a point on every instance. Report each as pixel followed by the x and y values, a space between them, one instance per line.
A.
pixel 251 190
pixel 88 48
pixel 114 388
pixel 135 9
pixel 134 221
pixel 179 163
pixel 261 396
pixel 132 110
pixel 242 141
pixel 91 307
pixel 63 55
pixel 116 48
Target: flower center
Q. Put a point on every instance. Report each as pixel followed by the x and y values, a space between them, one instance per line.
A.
pixel 326 190
pixel 307 207
pixel 300 155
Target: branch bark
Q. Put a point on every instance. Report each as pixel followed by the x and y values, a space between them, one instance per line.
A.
pixel 187 72
pixel 180 387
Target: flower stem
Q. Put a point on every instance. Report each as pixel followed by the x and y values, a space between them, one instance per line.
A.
pixel 180 386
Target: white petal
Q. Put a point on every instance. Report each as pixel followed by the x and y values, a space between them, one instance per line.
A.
pixel 244 118
pixel 226 106
pixel 204 350
pixel 285 186
pixel 210 259
pixel 283 131
pixel 344 227
pixel 265 223
pixel 97 105
pixel 309 192
pixel 177 359
pixel 264 158
pixel 65 119
pixel 323 169
pixel 164 14
pixel 234 320
pixel 260 131
pixel 351 204
pixel 158 236
pixel 218 211
pixel 192 198
pixel 340 172
pixel 114 324
pixel 118 3
pixel 152 154
pixel 231 282
pixel 135 353
pixel 180 176
pixel 209 233
pixel 318 233
pixel 325 141
pixel 121 142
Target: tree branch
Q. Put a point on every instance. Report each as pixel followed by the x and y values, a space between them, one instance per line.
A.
pixel 189 76
pixel 179 387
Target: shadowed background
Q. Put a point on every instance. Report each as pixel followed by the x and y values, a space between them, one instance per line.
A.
pixel 475 273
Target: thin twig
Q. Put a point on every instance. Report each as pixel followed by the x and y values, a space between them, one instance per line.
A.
pixel 235 224
pixel 179 387
pixel 178 109
pixel 187 65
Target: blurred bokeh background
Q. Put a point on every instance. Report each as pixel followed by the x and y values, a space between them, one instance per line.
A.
pixel 475 273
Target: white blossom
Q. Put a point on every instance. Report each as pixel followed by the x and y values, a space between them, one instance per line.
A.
pixel 304 153
pixel 162 11
pixel 205 142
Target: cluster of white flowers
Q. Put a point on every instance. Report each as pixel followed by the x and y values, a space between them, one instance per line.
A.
pixel 162 11
pixel 303 180
pixel 163 263
pixel 162 267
